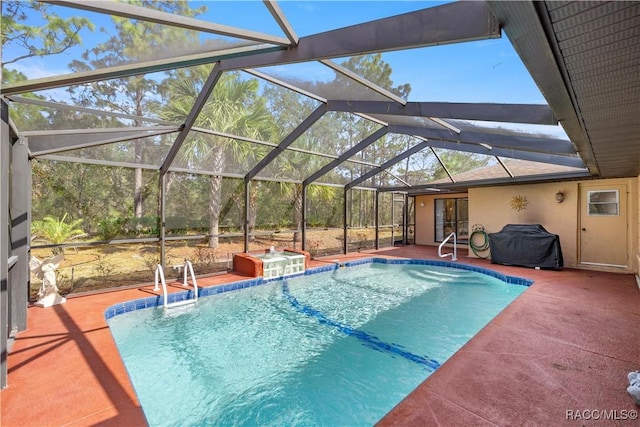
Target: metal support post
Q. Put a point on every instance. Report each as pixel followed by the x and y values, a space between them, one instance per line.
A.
pixel 344 219
pixel 377 219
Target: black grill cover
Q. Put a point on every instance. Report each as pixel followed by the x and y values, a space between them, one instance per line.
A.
pixel 527 245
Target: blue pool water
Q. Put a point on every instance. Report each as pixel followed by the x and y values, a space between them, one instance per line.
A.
pixel 334 348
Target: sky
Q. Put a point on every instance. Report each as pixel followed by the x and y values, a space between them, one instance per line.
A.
pixel 481 71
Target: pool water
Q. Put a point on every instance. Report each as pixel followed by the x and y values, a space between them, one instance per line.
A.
pixel 334 348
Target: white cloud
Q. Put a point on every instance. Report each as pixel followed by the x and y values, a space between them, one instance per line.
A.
pixel 37 68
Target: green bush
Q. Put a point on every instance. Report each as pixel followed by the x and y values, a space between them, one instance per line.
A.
pixel 56 231
pixel 111 227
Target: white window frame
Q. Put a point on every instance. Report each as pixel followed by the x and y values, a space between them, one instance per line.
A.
pixel 616 202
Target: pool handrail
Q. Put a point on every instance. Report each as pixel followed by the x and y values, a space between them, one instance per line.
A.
pixel 193 279
pixel 159 274
pixel 454 254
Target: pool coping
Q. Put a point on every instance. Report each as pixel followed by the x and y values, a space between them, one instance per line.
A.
pixel 185 295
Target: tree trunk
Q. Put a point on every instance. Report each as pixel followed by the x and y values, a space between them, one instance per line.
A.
pixel 297 213
pixel 214 210
pixel 253 208
pixel 215 196
pixel 138 201
pixel 138 197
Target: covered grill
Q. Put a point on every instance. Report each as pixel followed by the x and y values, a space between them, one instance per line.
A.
pixel 526 245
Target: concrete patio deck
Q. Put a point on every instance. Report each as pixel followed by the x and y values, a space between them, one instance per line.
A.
pixel 562 350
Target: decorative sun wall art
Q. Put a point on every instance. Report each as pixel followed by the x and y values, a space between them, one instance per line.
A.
pixel 519 203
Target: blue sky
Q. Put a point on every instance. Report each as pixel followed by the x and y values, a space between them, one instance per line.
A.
pixel 481 71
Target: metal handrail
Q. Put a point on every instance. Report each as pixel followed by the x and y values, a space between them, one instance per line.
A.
pixel 455 247
pixel 159 279
pixel 193 279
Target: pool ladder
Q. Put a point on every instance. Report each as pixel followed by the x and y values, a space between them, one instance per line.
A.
pixel 455 247
pixel 159 279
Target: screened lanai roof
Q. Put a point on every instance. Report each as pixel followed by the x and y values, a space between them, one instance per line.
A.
pixel 520 98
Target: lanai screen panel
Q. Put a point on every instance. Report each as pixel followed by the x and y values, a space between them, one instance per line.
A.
pixel 53 115
pixel 105 45
pixel 324 206
pixel 529 168
pixel 511 129
pixel 386 219
pixel 412 121
pixel 196 204
pixel 234 106
pixel 211 153
pixel 274 214
pixel 381 151
pixel 147 152
pixel 335 133
pixel 324 234
pixel 361 209
pixel 418 169
pixel 361 219
pixel 385 148
pixel 345 173
pixel 293 165
pixel 287 107
pixel 260 113
pixel 322 81
pixel 247 15
pixel 98 195
pixel 464 166
pixel 343 13
pixel 470 77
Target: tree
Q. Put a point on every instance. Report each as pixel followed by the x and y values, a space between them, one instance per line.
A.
pixel 335 132
pixel 134 41
pixel 376 70
pixel 51 36
pixel 234 108
pixel 23 115
pixel 457 162
pixel 30 29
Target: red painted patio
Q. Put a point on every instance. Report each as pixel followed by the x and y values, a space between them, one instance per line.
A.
pixel 565 345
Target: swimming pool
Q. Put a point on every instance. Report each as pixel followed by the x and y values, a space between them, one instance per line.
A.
pixel 341 347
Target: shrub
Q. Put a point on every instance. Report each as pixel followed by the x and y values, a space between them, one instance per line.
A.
pixel 57 231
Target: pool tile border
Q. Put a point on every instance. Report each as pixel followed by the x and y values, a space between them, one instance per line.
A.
pixel 157 300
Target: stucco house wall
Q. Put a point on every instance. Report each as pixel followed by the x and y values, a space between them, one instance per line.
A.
pixel 637 198
pixel 425 220
pixel 491 207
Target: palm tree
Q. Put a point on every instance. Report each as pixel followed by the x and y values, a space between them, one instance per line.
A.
pixel 234 108
pixel 57 231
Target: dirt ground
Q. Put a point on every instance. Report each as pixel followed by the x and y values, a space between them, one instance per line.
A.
pixel 91 268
